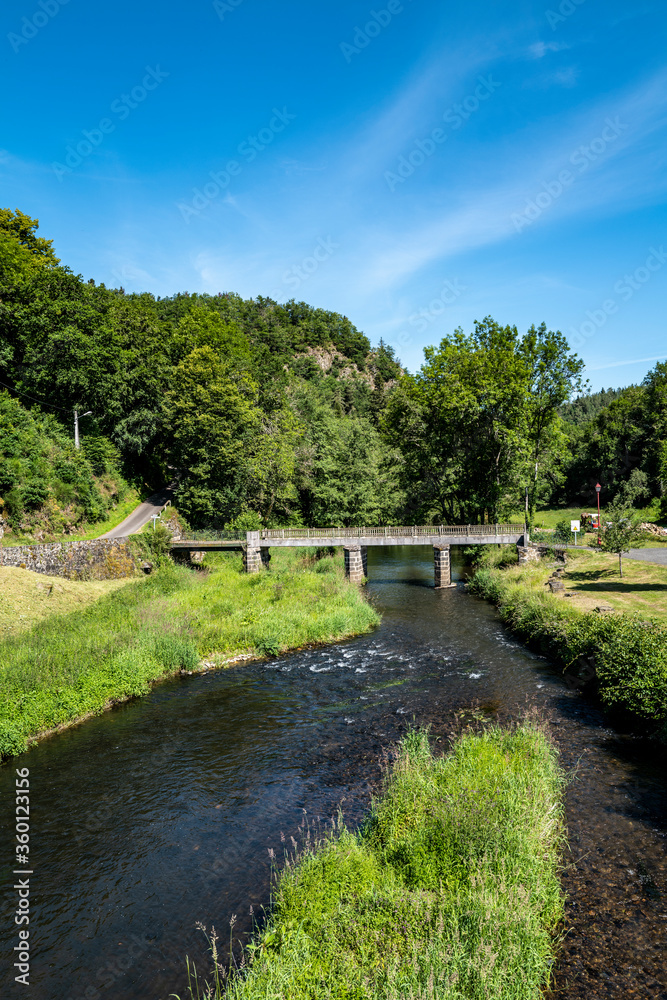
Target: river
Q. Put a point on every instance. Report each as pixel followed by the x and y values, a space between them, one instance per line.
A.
pixel 162 813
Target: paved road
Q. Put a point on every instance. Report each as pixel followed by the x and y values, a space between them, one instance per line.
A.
pixel 648 555
pixel 141 515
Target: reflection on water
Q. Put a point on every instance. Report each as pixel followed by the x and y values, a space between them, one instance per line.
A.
pixel 161 813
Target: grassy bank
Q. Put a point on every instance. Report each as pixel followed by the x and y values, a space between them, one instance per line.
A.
pixel 621 654
pixel 450 890
pixel 70 666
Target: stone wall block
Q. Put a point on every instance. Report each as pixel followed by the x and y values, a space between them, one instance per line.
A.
pixel 252 559
pixel 528 554
pixel 98 559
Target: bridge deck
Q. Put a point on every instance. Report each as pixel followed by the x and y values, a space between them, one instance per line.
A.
pixel 469 534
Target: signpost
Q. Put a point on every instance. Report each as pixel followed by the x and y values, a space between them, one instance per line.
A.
pixel 597 490
pixel 575 526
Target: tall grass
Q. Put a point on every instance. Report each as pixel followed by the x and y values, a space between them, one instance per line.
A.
pixel 70 666
pixel 450 889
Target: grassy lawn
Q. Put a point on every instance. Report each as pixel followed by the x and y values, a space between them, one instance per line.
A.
pixel 592 577
pixel 449 890
pixel 28 598
pixel 69 666
pixel 621 656
pixel 592 580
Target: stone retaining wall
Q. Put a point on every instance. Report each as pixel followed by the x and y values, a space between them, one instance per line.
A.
pixel 99 559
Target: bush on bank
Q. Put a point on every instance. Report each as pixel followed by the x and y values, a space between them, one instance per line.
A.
pixel 71 666
pixel 625 656
pixel 449 890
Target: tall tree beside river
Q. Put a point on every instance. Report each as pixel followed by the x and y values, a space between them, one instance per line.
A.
pixel 478 418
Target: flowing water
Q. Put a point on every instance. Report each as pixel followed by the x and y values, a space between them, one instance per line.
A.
pixel 162 812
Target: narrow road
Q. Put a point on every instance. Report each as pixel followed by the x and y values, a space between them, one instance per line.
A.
pixel 648 555
pixel 141 515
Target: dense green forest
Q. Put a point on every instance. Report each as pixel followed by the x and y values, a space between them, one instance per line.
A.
pixel 279 414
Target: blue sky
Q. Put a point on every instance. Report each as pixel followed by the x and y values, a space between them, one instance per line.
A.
pixel 414 165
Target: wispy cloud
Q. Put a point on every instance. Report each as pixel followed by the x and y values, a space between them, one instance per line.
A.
pixel 621 364
pixel 540 49
pixel 483 215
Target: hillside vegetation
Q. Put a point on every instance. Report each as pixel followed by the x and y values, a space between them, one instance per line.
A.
pixel 47 488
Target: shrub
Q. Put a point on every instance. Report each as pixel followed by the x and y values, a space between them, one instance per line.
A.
pixel 562 533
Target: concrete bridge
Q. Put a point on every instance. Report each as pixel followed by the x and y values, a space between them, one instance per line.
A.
pixel 255 545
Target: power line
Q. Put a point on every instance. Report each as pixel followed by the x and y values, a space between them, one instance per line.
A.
pixel 39 401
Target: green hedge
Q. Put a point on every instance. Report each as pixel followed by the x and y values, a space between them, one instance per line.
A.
pixel 624 655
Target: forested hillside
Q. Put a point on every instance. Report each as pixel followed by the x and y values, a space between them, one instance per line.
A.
pixel 284 414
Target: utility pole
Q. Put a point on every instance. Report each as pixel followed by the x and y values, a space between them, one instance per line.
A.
pixel 77 443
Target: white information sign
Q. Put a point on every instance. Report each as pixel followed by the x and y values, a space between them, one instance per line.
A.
pixel 575 526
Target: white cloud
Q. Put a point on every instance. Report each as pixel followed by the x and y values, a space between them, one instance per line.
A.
pixel 539 49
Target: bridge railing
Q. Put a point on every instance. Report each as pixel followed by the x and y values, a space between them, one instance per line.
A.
pixel 210 535
pixel 410 531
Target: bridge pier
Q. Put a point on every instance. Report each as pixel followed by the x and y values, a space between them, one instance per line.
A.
pixel 255 557
pixel 356 563
pixel 442 567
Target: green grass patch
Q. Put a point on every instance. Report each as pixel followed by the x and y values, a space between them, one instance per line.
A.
pixel 449 890
pixel 28 597
pixel 70 666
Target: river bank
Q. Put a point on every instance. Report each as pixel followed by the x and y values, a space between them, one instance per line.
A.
pixel 170 803
pixel 69 667
pixel 449 889
pixel 618 655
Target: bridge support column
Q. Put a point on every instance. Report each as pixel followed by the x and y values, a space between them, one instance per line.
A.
pixel 442 567
pixel 355 563
pixel 254 557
